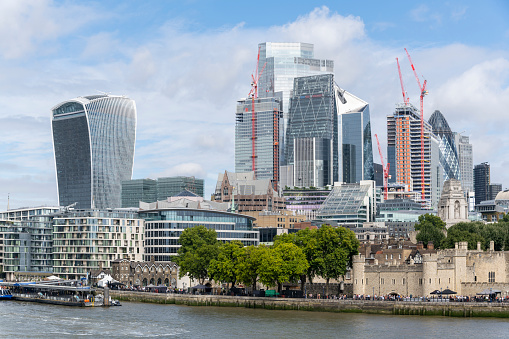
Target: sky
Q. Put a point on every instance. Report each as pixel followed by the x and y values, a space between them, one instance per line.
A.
pixel 187 62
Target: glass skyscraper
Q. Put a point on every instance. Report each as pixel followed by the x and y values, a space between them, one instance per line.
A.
pixel 93 140
pixel 448 150
pixel 466 161
pixel 261 130
pixel 281 63
pixel 355 143
pixel 313 122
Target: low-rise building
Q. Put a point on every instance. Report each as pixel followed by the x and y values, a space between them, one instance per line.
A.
pixel 144 273
pixel 410 270
pixel 283 218
pixel 86 240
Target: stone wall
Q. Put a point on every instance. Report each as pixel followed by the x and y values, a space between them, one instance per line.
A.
pixel 500 310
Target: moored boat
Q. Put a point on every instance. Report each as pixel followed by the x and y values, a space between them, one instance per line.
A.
pixel 5 294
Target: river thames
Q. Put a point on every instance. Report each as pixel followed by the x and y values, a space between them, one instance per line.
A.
pixel 31 320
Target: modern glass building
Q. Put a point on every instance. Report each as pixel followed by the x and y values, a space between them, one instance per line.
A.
pixel 350 205
pixel 482 182
pixel 355 143
pixel 281 63
pixel 448 151
pixel 313 121
pixel 165 224
pixel 466 162
pixel 134 191
pixel 93 140
pixel 404 154
pixel 261 129
pixel 171 186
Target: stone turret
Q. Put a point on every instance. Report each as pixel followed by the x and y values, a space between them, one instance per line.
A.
pixel 452 207
pixel 358 278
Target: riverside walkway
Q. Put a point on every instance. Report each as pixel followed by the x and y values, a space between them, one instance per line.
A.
pixel 423 308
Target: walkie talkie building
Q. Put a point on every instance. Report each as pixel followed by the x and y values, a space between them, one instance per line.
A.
pixel 93 140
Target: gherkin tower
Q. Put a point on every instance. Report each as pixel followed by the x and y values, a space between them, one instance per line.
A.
pixel 448 150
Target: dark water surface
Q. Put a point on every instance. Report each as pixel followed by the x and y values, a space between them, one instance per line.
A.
pixel 31 320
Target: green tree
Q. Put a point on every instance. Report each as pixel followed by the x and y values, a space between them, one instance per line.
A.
pixel 431 228
pixel 463 231
pixel 284 262
pixel 199 246
pixel 248 264
pixel 224 268
pixel 335 248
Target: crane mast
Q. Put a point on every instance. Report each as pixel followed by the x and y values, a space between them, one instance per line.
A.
pixel 384 168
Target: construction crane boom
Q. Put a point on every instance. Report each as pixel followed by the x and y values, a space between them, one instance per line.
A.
pixel 406 99
pixel 423 91
pixel 384 168
pixel 255 77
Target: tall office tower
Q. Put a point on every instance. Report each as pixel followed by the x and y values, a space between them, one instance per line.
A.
pixel 466 162
pixel 93 140
pixel 134 191
pixel 494 189
pixel 379 174
pixel 257 137
pixel 448 149
pixel 404 154
pixel 171 186
pixel 313 121
pixel 281 63
pixel 482 182
pixel 354 135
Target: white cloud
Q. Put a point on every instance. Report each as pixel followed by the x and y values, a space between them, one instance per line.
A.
pixel 186 86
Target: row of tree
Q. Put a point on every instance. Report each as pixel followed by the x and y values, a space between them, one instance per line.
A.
pixel 432 228
pixel 326 252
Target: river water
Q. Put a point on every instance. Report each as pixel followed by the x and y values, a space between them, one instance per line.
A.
pixel 32 320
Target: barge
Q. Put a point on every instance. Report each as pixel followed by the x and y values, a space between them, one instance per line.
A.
pixel 67 292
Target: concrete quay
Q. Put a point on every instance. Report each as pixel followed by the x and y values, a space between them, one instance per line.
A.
pixel 450 309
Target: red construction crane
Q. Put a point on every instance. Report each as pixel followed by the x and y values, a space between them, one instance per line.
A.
pixel 254 94
pixel 385 169
pixel 423 93
pixel 406 99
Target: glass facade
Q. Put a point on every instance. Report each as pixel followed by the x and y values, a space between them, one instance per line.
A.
pixel 93 140
pixel 267 136
pixel 313 115
pixel 466 161
pixel 281 63
pixel 482 182
pixel 355 142
pixel 171 186
pixel 448 151
pixel 164 227
pixel 350 205
pixel 134 191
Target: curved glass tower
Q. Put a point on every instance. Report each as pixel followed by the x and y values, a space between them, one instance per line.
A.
pixel 448 151
pixel 93 140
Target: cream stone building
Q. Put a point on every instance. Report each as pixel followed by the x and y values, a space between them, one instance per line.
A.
pixel 452 207
pixel 414 271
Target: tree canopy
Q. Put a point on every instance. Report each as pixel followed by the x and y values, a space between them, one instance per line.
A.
pixel 431 228
pixel 199 246
pixel 224 268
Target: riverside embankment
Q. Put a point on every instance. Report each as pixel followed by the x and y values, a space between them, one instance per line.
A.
pixel 452 309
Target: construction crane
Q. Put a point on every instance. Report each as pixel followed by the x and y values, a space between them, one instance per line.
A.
pixel 385 169
pixel 254 95
pixel 423 93
pixel 406 99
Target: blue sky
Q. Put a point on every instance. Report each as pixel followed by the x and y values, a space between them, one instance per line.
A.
pixel 185 63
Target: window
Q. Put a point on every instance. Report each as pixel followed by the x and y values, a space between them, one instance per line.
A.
pixel 491 277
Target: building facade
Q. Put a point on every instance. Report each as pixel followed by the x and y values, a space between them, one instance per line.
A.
pixel 350 205
pixel 453 207
pixel 86 240
pixel 305 201
pixel 449 158
pixel 282 62
pixel 144 273
pixel 404 154
pixel 166 220
pixel 411 270
pixel 27 240
pixel 93 140
pixel 313 121
pixel 171 186
pixel 466 162
pixel 247 193
pixel 257 137
pixel 280 219
pixel 482 182
pixel 355 143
